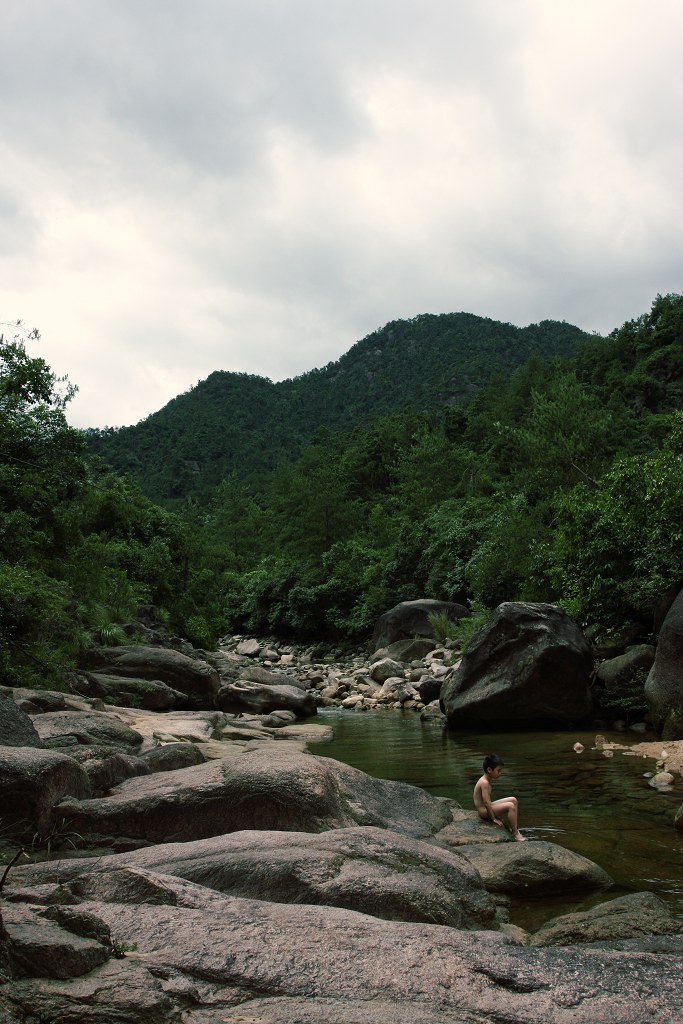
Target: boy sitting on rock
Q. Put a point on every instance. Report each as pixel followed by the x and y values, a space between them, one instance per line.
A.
pixel 494 810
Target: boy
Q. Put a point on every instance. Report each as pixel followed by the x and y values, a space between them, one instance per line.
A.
pixel 492 810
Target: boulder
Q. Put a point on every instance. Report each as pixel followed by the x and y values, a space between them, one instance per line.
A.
pixel 61 728
pixel 35 701
pixel 248 649
pixel 528 664
pixel 386 668
pixel 618 680
pixel 244 695
pixel 534 869
pixel 664 686
pixel 428 688
pixel 405 651
pixel 50 943
pixel 271 787
pixel 196 679
pixel 175 726
pixel 106 766
pixel 16 728
pixel 258 674
pixel 170 756
pixel 32 781
pixel 467 828
pixel 397 690
pixel 121 691
pixel 228 958
pixel 410 619
pixel 366 869
pixel 628 917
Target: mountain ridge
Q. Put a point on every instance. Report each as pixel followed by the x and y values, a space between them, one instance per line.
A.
pixel 248 425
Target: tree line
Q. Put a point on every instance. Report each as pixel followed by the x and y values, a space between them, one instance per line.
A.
pixel 561 482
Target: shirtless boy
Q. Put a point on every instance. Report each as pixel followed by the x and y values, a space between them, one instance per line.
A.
pixel 494 810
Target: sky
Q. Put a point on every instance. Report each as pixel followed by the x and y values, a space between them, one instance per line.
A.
pixel 255 185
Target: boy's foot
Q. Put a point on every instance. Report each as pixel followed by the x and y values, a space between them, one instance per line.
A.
pixel 519 837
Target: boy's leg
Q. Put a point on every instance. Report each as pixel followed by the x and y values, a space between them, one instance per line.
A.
pixel 507 809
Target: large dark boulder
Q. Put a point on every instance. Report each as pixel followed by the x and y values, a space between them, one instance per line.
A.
pixel 627 917
pixel 121 691
pixel 529 664
pixel 261 699
pixel 411 618
pixel 534 869
pixel 16 728
pixel 196 679
pixel 664 686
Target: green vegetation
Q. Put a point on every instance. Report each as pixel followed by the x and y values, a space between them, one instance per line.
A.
pixel 557 478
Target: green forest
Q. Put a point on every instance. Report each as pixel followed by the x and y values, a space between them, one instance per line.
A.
pixel 552 474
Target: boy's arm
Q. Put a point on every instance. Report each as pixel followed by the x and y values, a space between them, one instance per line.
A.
pixel 486 799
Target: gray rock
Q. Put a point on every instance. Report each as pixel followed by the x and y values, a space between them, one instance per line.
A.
pixel 244 695
pixel 405 651
pixel 16 728
pixel 272 787
pixel 468 828
pixel 433 713
pixel 151 694
pixel 87 727
pixel 271 962
pixel 46 948
pixel 171 756
pixel 385 669
pixel 248 648
pixel 428 688
pixel 35 701
pixel 199 681
pixel 633 916
pixel 32 781
pixel 410 619
pixel 664 685
pixel 528 664
pixel 366 869
pixel 106 766
pixel 257 674
pixel 534 869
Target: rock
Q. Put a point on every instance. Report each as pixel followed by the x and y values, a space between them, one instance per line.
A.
pixel 32 781
pixel 88 727
pixel 35 701
pixel 467 828
pixel 366 869
pixel 397 690
pixel 409 619
pixel 385 669
pixel 535 869
pixel 433 713
pixel 229 958
pixel 428 688
pixel 271 788
pixel 106 766
pixel 678 819
pixel 664 685
pixel 617 679
pixel 170 756
pixel 176 726
pixel 259 698
pixel 54 948
pixel 248 648
pixel 199 681
pixel 662 780
pixel 126 692
pixel 405 651
pixel 257 674
pixel 627 917
pixel 528 664
pixel 16 728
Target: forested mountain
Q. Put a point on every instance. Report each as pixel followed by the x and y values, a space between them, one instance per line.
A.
pixel 561 482
pixel 247 425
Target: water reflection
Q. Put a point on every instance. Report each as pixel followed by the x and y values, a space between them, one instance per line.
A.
pixel 597 806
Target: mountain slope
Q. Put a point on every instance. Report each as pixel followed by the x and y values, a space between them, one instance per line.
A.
pixel 248 425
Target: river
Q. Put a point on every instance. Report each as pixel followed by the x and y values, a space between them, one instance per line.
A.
pixel 598 806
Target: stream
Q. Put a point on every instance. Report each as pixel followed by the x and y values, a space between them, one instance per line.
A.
pixel 601 807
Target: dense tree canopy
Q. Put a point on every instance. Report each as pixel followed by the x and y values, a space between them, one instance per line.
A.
pixel 561 481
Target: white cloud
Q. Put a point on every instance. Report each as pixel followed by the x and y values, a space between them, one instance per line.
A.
pixel 254 187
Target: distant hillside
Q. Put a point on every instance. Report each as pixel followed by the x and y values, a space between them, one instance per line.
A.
pixel 247 425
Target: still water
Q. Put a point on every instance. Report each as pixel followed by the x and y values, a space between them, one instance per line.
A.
pixel 597 806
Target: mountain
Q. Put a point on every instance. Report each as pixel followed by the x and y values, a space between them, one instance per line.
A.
pixel 247 425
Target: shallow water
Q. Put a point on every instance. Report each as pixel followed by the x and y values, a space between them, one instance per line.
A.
pixel 601 807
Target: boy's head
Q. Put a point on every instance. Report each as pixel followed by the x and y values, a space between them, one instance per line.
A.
pixel 492 761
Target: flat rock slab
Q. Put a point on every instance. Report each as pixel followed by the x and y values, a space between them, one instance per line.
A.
pixel 628 917
pixel 534 869
pixel 233 959
pixel 272 787
pixel 176 726
pixel 468 828
pixel 366 869
pixel 41 947
pixel 88 727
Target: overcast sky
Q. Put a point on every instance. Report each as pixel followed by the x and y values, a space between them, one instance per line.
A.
pixel 254 185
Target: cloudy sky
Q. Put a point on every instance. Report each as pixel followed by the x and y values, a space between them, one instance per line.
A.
pixel 254 185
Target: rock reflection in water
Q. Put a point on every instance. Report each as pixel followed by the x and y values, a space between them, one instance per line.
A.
pixel 600 807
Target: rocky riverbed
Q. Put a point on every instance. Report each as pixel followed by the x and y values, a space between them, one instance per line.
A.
pixel 212 869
